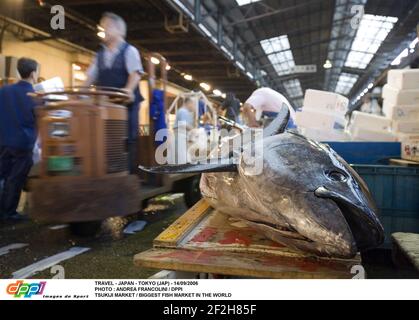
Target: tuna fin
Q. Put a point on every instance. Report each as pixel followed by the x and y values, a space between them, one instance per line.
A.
pixel 191 168
pixel 280 123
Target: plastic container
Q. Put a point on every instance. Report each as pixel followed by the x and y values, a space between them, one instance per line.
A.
pixel 367 152
pixel 396 192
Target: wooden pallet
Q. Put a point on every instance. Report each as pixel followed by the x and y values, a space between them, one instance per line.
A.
pixel 206 241
pixel 404 163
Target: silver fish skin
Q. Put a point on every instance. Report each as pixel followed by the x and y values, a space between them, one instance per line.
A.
pixel 307 198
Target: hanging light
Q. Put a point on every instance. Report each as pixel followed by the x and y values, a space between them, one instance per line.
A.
pixel 328 65
pixel 168 67
pixel 205 86
pixel 217 92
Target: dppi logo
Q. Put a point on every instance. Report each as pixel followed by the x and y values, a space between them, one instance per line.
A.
pixel 27 290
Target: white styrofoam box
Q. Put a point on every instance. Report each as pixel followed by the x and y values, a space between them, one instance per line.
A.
pixel 402 113
pixel 404 79
pixel 325 136
pixel 310 118
pixel 370 121
pixel 396 97
pixel 406 126
pixel 410 146
pixel 326 101
pixel 363 134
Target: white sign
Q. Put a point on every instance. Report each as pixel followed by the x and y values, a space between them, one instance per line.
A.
pixel 309 68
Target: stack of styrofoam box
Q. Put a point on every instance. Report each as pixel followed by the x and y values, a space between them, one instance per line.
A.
pixel 323 116
pixel 370 127
pixel 401 106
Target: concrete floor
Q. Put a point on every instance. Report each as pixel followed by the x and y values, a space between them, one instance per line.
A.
pixel 111 254
pixel 112 251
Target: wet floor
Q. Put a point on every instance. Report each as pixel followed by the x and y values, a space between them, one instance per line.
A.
pixel 111 250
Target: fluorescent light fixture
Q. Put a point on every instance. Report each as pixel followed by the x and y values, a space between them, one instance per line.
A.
pixel 371 85
pixel 230 55
pixel 414 43
pixel 245 2
pixel 279 53
pixel 76 67
pixel 154 60
pixel 188 77
pixel 184 8
pixel 80 76
pixel 240 65
pixel 402 55
pixel 293 88
pixel 101 34
pixel 205 30
pixel 372 32
pixel 217 92
pixel 345 83
pixel 405 52
pixel 205 86
pixel 250 75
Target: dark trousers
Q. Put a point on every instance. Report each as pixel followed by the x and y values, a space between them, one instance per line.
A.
pixel 15 165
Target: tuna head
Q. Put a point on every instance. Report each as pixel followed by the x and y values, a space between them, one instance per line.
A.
pixel 325 206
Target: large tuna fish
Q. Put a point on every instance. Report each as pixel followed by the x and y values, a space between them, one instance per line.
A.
pixel 307 198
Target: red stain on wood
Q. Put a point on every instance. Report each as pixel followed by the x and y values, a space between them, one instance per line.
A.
pixel 204 235
pixel 235 237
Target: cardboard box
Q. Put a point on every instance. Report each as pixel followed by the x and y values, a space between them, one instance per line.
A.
pixel 404 79
pixel 396 97
pixel 314 119
pixel 370 121
pixel 362 134
pixel 325 101
pixel 410 147
pixel 325 136
pixel 406 126
pixel 2 67
pixel 402 113
pixel 11 68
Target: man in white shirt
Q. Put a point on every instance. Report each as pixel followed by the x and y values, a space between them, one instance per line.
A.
pixel 265 102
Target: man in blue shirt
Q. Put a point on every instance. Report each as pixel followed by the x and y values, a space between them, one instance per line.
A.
pixel 17 137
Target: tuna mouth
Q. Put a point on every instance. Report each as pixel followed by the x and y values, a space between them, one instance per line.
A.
pixel 286 232
pixel 361 219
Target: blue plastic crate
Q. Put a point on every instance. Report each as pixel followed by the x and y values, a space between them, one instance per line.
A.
pixel 396 192
pixel 367 152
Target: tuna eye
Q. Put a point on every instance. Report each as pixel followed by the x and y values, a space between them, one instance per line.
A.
pixel 336 176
